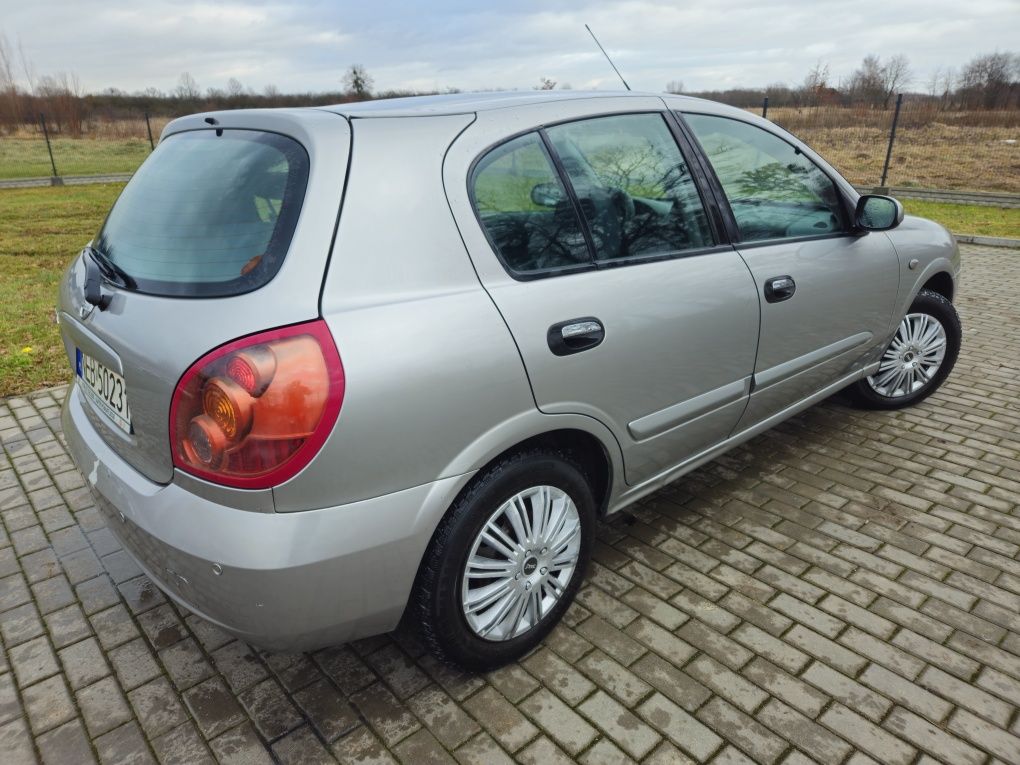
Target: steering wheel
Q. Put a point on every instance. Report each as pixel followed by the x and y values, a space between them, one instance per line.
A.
pixel 608 211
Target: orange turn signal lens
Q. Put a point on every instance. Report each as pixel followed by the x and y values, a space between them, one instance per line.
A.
pixel 229 405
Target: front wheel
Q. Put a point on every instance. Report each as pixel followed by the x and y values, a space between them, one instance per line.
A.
pixel 506 561
pixel 919 358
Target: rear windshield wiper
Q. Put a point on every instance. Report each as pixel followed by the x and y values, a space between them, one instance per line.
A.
pixel 110 270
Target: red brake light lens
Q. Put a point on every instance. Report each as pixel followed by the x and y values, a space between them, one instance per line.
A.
pixel 253 413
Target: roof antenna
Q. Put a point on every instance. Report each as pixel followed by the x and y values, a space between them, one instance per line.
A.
pixel 607 57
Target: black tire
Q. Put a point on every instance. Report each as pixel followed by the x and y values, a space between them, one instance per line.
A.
pixel 862 394
pixel 435 604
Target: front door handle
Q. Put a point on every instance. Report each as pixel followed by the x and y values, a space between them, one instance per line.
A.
pixel 779 288
pixel 575 335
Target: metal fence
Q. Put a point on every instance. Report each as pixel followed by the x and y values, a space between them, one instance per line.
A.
pixel 914 145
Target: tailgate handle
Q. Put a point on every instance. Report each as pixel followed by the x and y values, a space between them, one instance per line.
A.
pixel 575 335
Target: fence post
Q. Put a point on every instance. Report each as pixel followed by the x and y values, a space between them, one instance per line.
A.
pixel 765 108
pixel 46 135
pixel 148 127
pixel 892 137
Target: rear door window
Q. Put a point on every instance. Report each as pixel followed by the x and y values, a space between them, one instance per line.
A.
pixel 209 213
pixel 525 211
pixel 633 186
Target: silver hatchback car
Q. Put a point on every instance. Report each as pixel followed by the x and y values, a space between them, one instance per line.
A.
pixel 338 365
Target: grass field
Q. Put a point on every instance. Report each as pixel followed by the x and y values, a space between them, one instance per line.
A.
pixel 42 229
pixel 28 158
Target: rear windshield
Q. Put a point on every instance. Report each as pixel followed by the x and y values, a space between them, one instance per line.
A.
pixel 209 213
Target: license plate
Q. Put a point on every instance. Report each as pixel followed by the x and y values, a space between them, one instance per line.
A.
pixel 105 389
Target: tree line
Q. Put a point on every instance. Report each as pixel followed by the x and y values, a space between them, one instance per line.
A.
pixel 988 81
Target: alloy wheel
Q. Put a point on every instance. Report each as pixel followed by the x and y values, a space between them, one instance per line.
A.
pixel 520 563
pixel 912 358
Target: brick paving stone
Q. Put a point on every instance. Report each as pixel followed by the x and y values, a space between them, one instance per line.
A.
pixel 844 588
pixel 301 747
pixel 16 743
pixel 930 738
pixel 682 729
pixel 266 703
pixel 558 720
pixel 386 714
pixel 362 748
pixel 125 744
pixel 103 706
pixel 48 704
pixel 157 707
pixel 240 746
pixel 565 681
pixel 632 735
pixel 443 717
pixel 32 661
pixel 66 744
pixel 542 751
pixel 215 709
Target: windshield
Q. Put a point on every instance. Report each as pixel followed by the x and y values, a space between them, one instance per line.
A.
pixel 209 213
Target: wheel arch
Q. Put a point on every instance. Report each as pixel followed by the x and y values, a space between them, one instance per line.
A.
pixel 942 283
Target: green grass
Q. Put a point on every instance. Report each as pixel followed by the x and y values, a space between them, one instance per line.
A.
pixel 42 229
pixel 969 219
pixel 28 158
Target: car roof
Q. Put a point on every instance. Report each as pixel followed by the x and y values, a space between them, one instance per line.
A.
pixel 464 103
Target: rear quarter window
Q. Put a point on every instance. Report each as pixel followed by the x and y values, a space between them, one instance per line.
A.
pixel 209 213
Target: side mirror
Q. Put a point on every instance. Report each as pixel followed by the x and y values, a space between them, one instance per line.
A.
pixel 877 213
pixel 547 194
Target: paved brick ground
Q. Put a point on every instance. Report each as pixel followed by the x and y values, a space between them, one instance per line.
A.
pixel 845 588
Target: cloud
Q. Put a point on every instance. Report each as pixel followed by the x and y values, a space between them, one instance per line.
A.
pixel 306 46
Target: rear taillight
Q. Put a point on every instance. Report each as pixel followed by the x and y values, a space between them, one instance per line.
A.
pixel 253 413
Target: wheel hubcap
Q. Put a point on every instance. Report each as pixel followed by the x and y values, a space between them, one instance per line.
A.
pixel 912 358
pixel 521 563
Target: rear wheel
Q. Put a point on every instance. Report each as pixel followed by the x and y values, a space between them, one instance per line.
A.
pixel 506 561
pixel 919 358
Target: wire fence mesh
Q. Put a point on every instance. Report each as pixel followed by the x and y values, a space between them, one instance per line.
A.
pixel 934 148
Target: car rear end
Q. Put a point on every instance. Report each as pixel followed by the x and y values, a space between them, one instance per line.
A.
pixel 204 377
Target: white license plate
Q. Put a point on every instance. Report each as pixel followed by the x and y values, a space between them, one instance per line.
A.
pixel 104 388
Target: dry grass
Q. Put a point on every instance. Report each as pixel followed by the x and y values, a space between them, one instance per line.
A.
pixel 933 157
pixel 933 149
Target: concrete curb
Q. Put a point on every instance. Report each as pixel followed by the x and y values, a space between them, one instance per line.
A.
pixel 988 241
pixel 64 180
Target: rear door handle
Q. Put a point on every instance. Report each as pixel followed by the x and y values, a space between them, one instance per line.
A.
pixel 575 335
pixel 779 288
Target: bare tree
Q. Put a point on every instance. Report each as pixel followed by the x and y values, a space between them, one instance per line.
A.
pixel 234 87
pixel 675 86
pixel 896 75
pixel 187 88
pixel 358 81
pixel 991 81
pixel 816 83
pixel 874 83
pixel 10 108
pixel 544 83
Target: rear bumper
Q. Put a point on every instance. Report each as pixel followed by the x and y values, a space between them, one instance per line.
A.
pixel 280 581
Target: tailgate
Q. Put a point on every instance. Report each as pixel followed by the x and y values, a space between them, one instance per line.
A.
pixel 179 305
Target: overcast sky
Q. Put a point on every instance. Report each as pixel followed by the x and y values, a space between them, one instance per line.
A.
pixel 473 44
